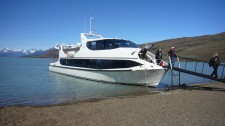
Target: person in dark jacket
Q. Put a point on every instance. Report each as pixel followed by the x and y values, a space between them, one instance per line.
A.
pixel 172 55
pixel 158 56
pixel 215 63
pixel 143 53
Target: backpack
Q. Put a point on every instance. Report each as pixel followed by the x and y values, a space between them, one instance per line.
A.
pixel 211 61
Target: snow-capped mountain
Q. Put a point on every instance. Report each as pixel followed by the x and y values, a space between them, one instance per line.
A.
pixel 8 52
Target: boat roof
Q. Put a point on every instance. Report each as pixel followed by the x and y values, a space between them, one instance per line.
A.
pixel 87 37
pixel 90 37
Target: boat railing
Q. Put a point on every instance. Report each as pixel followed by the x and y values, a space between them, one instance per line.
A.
pixel 90 36
pixel 68 51
pixel 151 57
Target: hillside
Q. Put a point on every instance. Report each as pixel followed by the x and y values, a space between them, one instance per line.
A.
pixel 200 47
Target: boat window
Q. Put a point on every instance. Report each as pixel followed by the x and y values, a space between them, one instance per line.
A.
pixel 91 45
pixel 110 44
pixel 99 64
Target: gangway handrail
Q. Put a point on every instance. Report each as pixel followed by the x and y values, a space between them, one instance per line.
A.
pixel 203 61
pixel 192 59
pixel 200 74
pixel 196 60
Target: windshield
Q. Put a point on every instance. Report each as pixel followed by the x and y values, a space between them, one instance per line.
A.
pixel 110 44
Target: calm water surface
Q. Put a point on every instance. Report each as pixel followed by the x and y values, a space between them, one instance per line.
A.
pixel 27 81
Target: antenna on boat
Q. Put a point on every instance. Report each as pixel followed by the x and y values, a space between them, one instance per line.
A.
pixel 91 32
pixel 84 23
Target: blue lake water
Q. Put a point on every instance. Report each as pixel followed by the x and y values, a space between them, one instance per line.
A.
pixel 27 81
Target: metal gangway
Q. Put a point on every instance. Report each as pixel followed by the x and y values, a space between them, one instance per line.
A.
pixel 198 67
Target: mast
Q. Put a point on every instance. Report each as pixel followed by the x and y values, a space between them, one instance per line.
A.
pixel 90 32
pixel 84 24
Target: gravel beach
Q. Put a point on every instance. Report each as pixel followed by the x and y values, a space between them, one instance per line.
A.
pixel 198 105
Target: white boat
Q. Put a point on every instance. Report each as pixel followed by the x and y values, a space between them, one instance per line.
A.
pixel 109 60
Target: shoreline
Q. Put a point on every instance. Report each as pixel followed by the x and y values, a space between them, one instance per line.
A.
pixel 197 105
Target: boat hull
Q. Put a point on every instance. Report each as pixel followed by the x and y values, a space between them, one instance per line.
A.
pixel 149 77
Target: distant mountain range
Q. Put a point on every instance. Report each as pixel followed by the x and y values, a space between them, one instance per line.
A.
pixel 37 53
pixel 200 47
pixel 8 52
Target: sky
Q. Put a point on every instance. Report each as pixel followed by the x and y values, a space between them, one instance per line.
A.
pixel 41 24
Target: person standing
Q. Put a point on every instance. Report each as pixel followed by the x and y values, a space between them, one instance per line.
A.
pixel 143 53
pixel 172 54
pixel 215 61
pixel 158 56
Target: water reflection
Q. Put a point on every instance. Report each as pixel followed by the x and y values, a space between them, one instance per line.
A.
pixel 75 89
